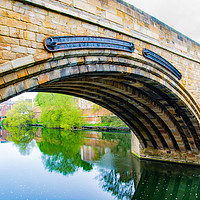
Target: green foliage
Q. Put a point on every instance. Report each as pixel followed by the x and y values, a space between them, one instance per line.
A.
pixel 96 108
pixel 22 137
pixel 34 121
pixel 59 111
pixel 124 141
pixel 61 151
pixel 20 115
pixel 113 121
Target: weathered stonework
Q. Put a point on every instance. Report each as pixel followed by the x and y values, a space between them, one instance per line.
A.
pixel 162 111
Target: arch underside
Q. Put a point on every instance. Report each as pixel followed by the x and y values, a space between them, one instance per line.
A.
pixel 158 120
pixel 147 97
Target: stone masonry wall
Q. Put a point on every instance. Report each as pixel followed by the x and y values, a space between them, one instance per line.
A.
pixel 24 25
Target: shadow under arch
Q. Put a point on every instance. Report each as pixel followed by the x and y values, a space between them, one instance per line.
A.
pixel 161 181
pixel 147 97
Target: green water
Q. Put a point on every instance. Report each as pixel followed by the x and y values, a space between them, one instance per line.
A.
pixel 54 164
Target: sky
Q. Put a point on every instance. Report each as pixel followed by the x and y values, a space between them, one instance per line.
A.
pixel 182 15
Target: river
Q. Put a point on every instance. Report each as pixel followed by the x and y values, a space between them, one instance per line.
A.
pixel 55 164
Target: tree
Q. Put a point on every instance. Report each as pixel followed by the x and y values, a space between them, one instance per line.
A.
pixel 20 115
pixel 59 111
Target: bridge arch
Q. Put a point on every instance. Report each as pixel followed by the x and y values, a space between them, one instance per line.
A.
pixel 147 97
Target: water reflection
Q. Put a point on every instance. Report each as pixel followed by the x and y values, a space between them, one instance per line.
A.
pixel 61 151
pixel 23 138
pixel 108 155
pixel 121 185
pixel 168 181
pixel 3 134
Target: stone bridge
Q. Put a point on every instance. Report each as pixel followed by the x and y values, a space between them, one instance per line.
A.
pixel 152 84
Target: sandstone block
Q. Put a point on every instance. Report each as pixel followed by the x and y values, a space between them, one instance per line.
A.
pixel 9 40
pixel 4 46
pixel 65 72
pixel 34 69
pixel 113 17
pixel 9 77
pixel 82 5
pixel 62 63
pixel 20 87
pixel 100 67
pixel 11 14
pixel 29 36
pixel 8 92
pixel 18 9
pixel 19 49
pixel 22 73
pixel 32 27
pixel 31 83
pixel 74 70
pixel 45 66
pixel 90 26
pixel 83 69
pixel 7 55
pixel 43 57
pixel 28 60
pixel 1 81
pixel 40 11
pixel 69 2
pixel 5 67
pixel 25 43
pixel 6 4
pixel 96 3
pixel 92 68
pixel 42 78
pixel 31 51
pixel 106 68
pixel 14 32
pixel 40 37
pixel 15 23
pixel 54 63
pixel 4 30
pixel 54 75
pixel 113 68
pixel 58 55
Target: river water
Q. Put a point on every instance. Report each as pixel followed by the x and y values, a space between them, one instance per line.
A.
pixel 54 164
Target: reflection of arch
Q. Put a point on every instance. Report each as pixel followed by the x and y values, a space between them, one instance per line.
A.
pixel 149 98
pixel 163 182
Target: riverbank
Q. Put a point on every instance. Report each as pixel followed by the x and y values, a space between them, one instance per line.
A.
pixel 95 128
pixel 106 128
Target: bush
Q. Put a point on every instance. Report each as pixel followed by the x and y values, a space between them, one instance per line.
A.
pixel 112 120
pixel 34 121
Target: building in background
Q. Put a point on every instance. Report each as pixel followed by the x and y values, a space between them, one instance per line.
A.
pixel 91 112
pixel 37 112
pixel 4 107
pixel 3 135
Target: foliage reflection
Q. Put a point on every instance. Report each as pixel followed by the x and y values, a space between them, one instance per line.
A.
pixel 61 151
pixel 118 172
pixel 120 185
pixel 23 138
